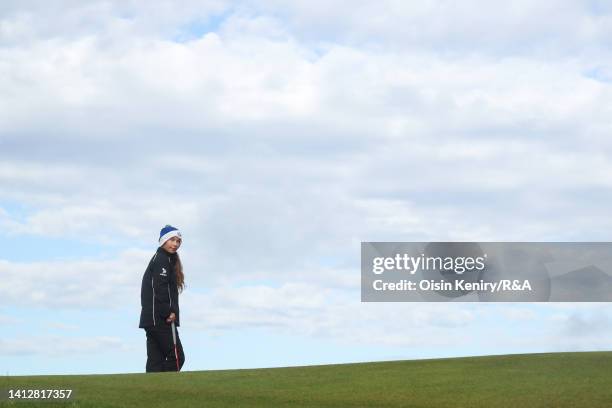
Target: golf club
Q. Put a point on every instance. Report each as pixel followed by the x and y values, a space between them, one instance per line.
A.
pixel 175 350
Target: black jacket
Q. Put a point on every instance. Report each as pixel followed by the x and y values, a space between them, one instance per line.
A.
pixel 159 291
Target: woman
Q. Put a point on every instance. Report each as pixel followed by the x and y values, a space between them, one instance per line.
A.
pixel 161 284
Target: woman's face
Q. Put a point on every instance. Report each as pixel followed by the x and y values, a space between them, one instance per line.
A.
pixel 172 245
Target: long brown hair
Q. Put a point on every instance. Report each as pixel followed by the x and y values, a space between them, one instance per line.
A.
pixel 180 276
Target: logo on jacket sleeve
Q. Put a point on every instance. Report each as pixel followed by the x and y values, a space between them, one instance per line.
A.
pixel 163 272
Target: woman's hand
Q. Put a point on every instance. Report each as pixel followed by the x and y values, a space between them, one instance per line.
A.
pixel 171 318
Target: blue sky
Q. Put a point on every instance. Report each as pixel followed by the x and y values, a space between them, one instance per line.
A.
pixel 278 136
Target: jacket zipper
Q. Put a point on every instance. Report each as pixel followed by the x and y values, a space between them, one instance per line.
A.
pixel 153 288
pixel 169 296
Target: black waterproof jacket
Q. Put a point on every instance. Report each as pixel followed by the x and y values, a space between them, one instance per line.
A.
pixel 159 292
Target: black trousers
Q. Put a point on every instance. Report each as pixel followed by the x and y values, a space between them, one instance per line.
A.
pixel 160 349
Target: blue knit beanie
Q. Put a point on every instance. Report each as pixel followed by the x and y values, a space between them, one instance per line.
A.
pixel 168 232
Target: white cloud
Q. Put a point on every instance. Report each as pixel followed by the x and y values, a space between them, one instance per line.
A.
pixel 519 313
pixel 339 316
pixel 470 27
pixel 319 311
pixel 62 326
pixel 93 283
pixel 32 20
pixel 286 137
pixel 56 346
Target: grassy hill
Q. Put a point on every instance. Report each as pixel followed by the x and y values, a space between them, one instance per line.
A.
pixel 524 381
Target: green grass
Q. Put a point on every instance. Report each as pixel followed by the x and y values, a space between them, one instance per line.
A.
pixel 523 381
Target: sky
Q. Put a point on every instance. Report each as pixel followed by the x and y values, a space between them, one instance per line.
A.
pixel 278 136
